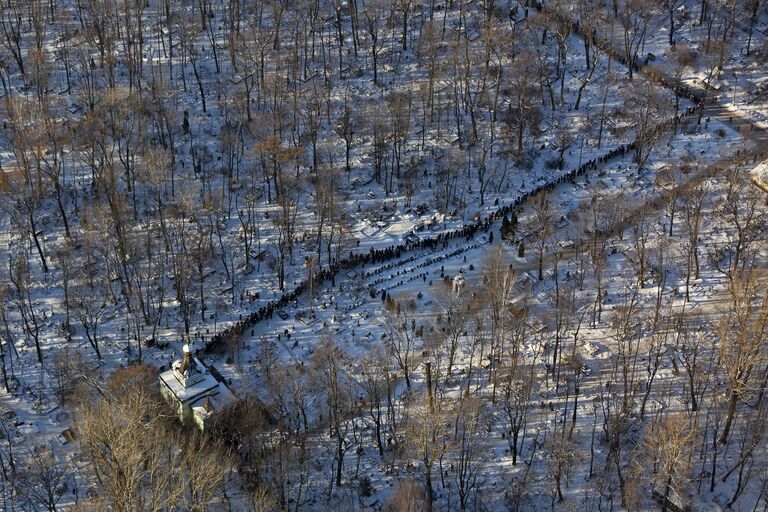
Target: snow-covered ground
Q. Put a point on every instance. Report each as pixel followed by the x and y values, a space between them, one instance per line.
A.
pixel 175 229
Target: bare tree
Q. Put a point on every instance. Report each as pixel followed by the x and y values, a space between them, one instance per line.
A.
pixel 374 380
pixel 693 204
pixel 401 341
pixel 427 434
pixel 742 334
pixel 11 27
pixel 645 107
pixel 162 468
pixel 563 454
pixel 330 368
pixel 469 453
pixel 21 279
pixel 522 109
pixel 634 18
pixel 668 444
pixel 741 212
pixel 43 479
pixel 517 389
pixel 541 228
pixel 499 280
pixel 406 496
pixel 90 304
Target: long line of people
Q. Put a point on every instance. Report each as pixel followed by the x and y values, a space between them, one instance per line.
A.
pixel 375 256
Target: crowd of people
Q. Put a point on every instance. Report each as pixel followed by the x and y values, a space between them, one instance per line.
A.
pixel 468 231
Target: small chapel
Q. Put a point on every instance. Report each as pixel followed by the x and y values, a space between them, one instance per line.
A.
pixel 197 391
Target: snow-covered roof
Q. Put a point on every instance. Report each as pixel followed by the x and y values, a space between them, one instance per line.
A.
pixel 760 175
pixel 185 394
pixel 206 406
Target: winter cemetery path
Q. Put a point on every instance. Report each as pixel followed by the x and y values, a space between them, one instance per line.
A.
pixel 413 264
pixel 756 146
